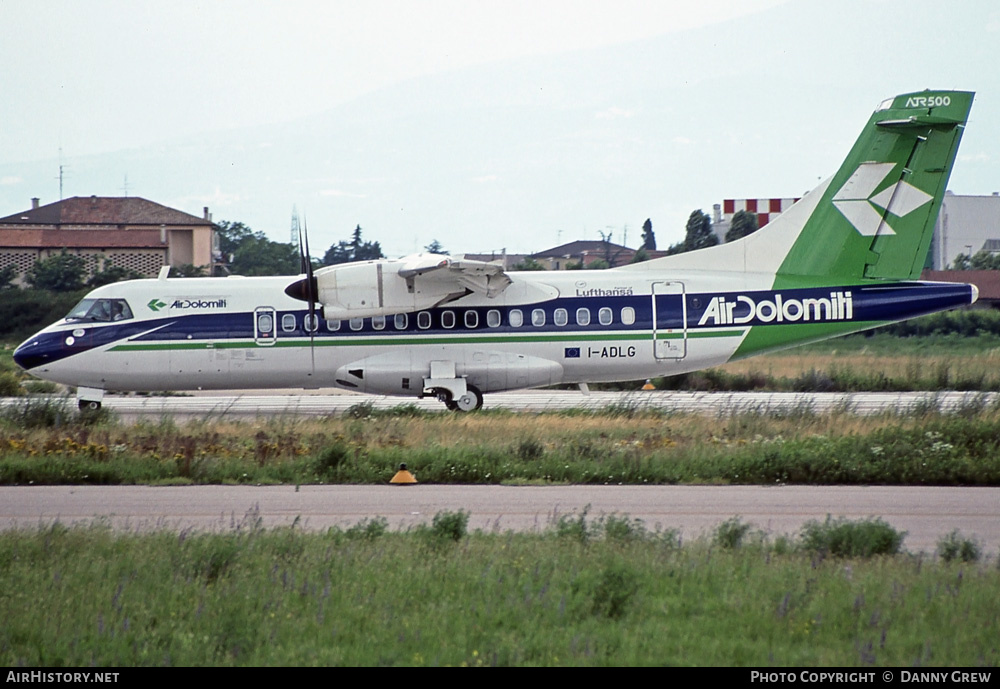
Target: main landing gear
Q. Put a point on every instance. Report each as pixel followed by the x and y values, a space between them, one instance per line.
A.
pixel 453 390
pixel 470 401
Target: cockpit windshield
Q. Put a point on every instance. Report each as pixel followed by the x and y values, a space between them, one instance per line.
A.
pixel 102 310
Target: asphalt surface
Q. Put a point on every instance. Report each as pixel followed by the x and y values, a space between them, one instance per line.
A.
pixel 925 513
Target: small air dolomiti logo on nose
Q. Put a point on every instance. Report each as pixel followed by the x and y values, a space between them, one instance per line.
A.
pixel 856 202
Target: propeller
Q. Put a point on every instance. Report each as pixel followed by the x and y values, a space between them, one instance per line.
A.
pixel 306 289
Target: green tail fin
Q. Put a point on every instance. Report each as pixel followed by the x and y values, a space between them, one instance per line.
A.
pixel 876 217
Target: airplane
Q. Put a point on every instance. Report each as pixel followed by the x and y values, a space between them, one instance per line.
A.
pixel 845 258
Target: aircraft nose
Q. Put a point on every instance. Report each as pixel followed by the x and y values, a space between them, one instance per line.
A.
pixel 29 354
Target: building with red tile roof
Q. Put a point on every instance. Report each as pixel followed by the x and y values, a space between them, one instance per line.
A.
pixel 127 232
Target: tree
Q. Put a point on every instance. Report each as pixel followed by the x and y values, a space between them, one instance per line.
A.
pixel 63 272
pixel 743 223
pixel 187 270
pixel 528 264
pixel 435 248
pixel 981 260
pixel 253 253
pixel 640 255
pixel 354 250
pixel 648 238
pixel 699 232
pixel 112 274
pixel 611 252
pixel 7 276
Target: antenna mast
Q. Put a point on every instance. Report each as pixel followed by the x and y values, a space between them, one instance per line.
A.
pixel 62 173
pixel 295 226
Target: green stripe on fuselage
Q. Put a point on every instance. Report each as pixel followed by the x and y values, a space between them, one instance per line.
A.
pixel 395 340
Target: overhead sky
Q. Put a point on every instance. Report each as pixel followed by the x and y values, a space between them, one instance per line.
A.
pixel 103 75
pixel 485 124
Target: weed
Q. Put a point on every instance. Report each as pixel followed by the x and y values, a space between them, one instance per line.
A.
pixel 955 547
pixel 44 412
pixel 843 538
pixel 450 525
pixel 622 529
pixel 368 529
pixel 10 384
pixel 730 533
pixel 574 526
pixel 530 449
pixel 614 590
pixel 330 460
pixel 361 410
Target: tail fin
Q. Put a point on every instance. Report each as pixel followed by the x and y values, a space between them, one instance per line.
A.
pixel 873 220
pixel 878 213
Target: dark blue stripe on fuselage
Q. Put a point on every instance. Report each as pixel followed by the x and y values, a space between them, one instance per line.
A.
pixel 867 304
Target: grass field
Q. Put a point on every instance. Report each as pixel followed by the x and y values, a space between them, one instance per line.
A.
pixel 46 442
pixel 597 593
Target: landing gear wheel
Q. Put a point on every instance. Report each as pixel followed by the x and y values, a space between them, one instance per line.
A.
pixel 88 405
pixel 470 401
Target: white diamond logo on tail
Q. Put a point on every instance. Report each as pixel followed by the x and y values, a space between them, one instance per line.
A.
pixel 901 199
pixel 864 217
pixel 856 203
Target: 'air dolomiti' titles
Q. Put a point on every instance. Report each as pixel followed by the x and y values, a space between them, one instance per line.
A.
pixel 743 309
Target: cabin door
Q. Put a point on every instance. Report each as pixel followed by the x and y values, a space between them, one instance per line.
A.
pixel 669 320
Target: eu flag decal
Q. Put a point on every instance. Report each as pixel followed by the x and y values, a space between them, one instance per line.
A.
pixel 571 353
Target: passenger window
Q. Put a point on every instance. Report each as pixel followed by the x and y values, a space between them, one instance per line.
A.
pixel 605 316
pixel 560 317
pixel 471 319
pixel 378 322
pixel 515 318
pixel 447 319
pixel 399 321
pixel 583 316
pixel 493 318
pixel 356 323
pixel 423 320
pixel 628 315
pixel 538 318
pixel 288 322
pixel 332 326
pixel 311 322
pixel 264 324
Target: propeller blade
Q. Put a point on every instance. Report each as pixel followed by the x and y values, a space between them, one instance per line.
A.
pixel 310 289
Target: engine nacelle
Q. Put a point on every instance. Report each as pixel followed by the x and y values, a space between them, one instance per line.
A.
pixel 376 288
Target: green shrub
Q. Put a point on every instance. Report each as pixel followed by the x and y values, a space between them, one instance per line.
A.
pixel 450 525
pixel 574 526
pixel 954 547
pixel 730 533
pixel 368 529
pixel 10 384
pixel 614 591
pixel 844 538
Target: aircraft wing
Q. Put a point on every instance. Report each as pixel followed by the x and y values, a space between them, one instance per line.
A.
pixel 488 279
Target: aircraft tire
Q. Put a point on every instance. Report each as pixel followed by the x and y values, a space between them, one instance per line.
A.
pixel 90 405
pixel 470 401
